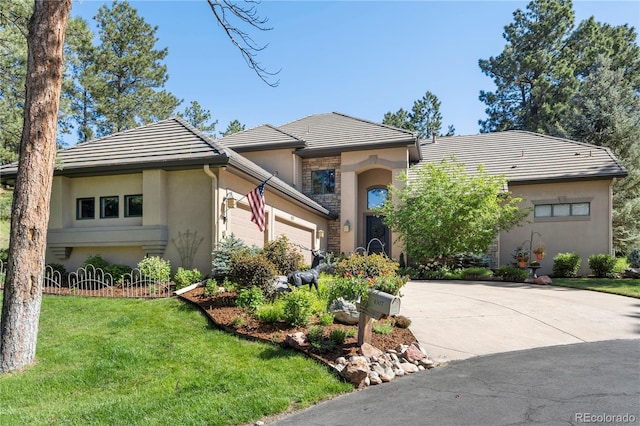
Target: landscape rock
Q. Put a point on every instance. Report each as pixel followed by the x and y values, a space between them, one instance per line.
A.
pixel 413 354
pixel 544 279
pixel 374 378
pixel 370 351
pixel 280 284
pixel 295 340
pixel 427 363
pixel 344 312
pixel 409 367
pixel 631 273
pixel 422 349
pixel 356 372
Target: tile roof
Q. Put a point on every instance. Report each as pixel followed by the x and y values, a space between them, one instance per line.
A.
pixel 261 137
pixel 525 157
pixel 335 132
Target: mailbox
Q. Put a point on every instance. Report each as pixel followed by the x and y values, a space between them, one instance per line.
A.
pixel 381 304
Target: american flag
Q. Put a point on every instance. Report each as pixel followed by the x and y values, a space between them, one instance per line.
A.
pixel 256 203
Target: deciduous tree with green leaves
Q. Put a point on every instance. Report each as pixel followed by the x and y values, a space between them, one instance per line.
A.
pixel 441 210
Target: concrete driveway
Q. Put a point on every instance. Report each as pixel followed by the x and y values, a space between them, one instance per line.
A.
pixel 456 320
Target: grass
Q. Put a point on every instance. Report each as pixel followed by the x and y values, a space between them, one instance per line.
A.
pixel 157 362
pixel 5 226
pixel 623 287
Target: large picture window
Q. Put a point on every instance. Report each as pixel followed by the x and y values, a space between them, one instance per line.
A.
pixel 109 207
pixel 133 205
pixel 323 181
pixel 85 208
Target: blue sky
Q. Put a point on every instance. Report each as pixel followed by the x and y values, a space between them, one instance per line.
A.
pixel 355 57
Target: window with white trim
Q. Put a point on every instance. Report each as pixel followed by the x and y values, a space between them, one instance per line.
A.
pixel 581 209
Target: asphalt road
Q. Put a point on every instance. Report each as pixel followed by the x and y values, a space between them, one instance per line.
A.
pixel 585 383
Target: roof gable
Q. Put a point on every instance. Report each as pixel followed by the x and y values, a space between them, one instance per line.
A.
pixel 259 138
pixel 525 157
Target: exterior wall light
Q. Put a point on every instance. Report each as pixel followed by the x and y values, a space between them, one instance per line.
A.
pixel 320 233
pixel 347 226
pixel 229 200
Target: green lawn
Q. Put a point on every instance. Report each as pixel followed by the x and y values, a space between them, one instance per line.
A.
pixel 624 287
pixel 5 226
pixel 158 362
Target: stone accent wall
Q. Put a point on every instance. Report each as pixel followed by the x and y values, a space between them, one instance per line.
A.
pixel 330 201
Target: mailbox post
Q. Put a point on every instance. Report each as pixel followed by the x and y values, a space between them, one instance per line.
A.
pixel 379 304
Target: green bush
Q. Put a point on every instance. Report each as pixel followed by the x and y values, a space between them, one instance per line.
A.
pixel 118 271
pixel 4 254
pixel 374 265
pixel 96 261
pixel 338 336
pixel 315 334
pixel 250 299
pixel 566 265
pixel 476 273
pixel 6 199
pixel 325 318
pixel 221 257
pixel 298 307
pixel 155 268
pixel 185 277
pixel 383 327
pixel 270 313
pixel 350 288
pixel 249 270
pixel 284 255
pixel 511 273
pixel 602 265
pixel 59 267
pixel 210 288
pixel 634 258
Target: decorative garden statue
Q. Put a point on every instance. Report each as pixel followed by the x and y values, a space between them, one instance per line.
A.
pixel 310 276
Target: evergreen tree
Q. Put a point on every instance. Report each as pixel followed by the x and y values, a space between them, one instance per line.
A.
pixel 234 127
pixel 129 72
pixel 199 118
pixel 425 118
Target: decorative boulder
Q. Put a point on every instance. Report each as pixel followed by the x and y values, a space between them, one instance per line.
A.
pixel 280 284
pixel 544 279
pixel 344 311
pixel 631 273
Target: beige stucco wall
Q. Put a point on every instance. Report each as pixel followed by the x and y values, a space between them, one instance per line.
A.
pixel 584 236
pixel 360 170
pixel 283 161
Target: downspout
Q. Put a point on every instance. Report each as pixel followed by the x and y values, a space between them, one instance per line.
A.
pixel 214 207
pixel 610 228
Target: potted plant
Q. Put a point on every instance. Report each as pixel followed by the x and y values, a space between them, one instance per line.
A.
pixel 522 257
pixel 539 252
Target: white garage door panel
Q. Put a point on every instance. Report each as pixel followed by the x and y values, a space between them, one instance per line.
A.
pixel 296 235
pixel 241 226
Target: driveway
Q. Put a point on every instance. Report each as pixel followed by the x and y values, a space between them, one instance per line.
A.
pixel 456 320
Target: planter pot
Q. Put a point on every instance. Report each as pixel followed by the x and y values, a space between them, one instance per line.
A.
pixel 539 256
pixel 522 264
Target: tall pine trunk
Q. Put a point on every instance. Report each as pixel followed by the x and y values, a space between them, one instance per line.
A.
pixel 30 213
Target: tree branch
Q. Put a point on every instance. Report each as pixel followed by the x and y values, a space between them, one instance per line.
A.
pixel 225 12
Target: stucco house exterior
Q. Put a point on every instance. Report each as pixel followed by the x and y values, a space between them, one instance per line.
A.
pixel 166 189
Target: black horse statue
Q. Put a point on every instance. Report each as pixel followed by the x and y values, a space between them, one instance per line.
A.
pixel 298 278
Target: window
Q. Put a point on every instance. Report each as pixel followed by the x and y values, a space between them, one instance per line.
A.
pixel 109 207
pixel 562 210
pixel 376 197
pixel 85 208
pixel 133 205
pixel 323 181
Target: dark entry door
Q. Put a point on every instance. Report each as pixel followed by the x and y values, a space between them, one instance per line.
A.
pixel 377 233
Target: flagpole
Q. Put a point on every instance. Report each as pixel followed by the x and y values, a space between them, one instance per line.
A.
pixel 263 183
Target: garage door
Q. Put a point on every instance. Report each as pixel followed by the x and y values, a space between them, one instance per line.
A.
pixel 241 226
pixel 297 235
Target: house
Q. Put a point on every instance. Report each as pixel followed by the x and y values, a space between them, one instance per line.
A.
pixel 166 189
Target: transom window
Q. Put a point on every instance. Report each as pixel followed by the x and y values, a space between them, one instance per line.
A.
pixel 85 208
pixel 133 205
pixel 109 207
pixel 563 210
pixel 376 197
pixel 323 181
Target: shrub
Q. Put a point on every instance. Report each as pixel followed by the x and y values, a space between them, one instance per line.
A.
pixel 271 313
pixel 283 254
pixel 350 288
pixel 326 318
pixel 155 268
pixel 297 307
pixel 6 199
pixel 315 334
pixel 382 327
pixel 634 258
pixel 96 261
pixel 250 299
pixel 402 322
pixel 511 273
pixel 249 270
pixel 4 254
pixel 118 271
pixel 367 267
pixel 222 255
pixel 602 265
pixel 210 288
pixel 59 267
pixel 238 321
pixel 566 265
pixel 476 273
pixel 338 336
pixel 185 277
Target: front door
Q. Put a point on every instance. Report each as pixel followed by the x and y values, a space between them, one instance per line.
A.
pixel 377 236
